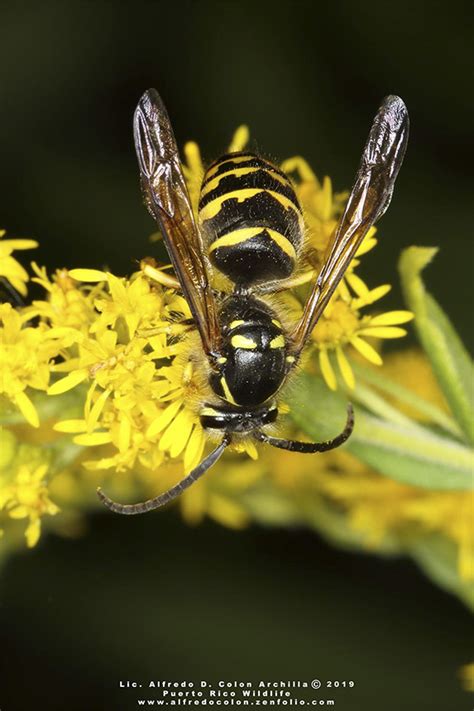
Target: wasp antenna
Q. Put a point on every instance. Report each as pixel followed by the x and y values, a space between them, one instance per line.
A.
pixel 167 496
pixel 311 447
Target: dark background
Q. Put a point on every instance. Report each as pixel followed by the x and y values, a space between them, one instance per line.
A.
pixel 149 598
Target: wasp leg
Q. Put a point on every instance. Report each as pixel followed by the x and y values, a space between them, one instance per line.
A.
pixel 310 447
pixel 172 493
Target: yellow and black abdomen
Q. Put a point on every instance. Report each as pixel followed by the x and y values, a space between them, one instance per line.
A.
pixel 250 219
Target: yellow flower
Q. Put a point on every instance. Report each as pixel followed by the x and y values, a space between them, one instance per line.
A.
pixel 67 303
pixel 342 324
pixel 141 400
pixel 466 675
pixel 10 269
pixel 26 354
pixel 27 497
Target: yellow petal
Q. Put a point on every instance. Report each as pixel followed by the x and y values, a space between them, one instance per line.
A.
pixel 466 558
pixel 18 512
pixel 392 318
pixel 250 448
pixel 193 157
pixel 185 428
pixel 239 139
pixel 343 291
pixel 383 332
pixel 302 166
pixel 164 419
pixel 96 410
pixel 227 512
pixel 70 426
pixel 193 503
pixel 466 675
pixel 125 433
pixel 378 293
pixel 32 533
pixel 117 288
pixel 64 331
pixel 374 295
pixel 88 275
pixel 66 367
pixel 18 285
pixel 19 243
pixel 357 284
pixel 194 449
pixel 366 350
pixel 322 200
pixel 27 409
pixel 368 243
pixel 94 439
pixel 177 433
pixel 327 370
pixel 67 383
pixel 88 403
pixel 345 368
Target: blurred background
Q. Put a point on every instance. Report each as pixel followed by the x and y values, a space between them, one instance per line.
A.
pixel 148 598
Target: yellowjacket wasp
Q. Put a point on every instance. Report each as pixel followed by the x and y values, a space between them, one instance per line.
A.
pixel 251 229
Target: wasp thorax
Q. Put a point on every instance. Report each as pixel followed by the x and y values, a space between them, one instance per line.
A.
pixel 252 365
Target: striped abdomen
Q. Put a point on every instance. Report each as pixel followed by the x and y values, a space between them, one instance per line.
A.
pixel 250 219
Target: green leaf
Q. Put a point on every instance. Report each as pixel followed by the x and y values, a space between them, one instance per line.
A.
pixel 407 397
pixel 450 361
pixel 403 450
pixel 437 556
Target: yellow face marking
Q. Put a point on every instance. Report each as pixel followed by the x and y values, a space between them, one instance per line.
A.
pixel 237 172
pixel 227 393
pixel 212 208
pixel 238 236
pixel 238 159
pixel 243 342
pixel 234 324
pixel 277 342
pixel 290 359
pixel 222 360
pixel 277 323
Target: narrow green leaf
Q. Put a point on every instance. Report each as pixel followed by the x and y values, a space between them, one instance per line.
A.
pixel 406 452
pixel 376 404
pixel 437 556
pixel 407 397
pixel 449 359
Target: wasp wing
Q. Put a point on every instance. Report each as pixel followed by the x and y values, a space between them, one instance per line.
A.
pixel 167 200
pixel 370 197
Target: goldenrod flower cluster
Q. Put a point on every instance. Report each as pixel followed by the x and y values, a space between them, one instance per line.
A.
pixel 97 384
